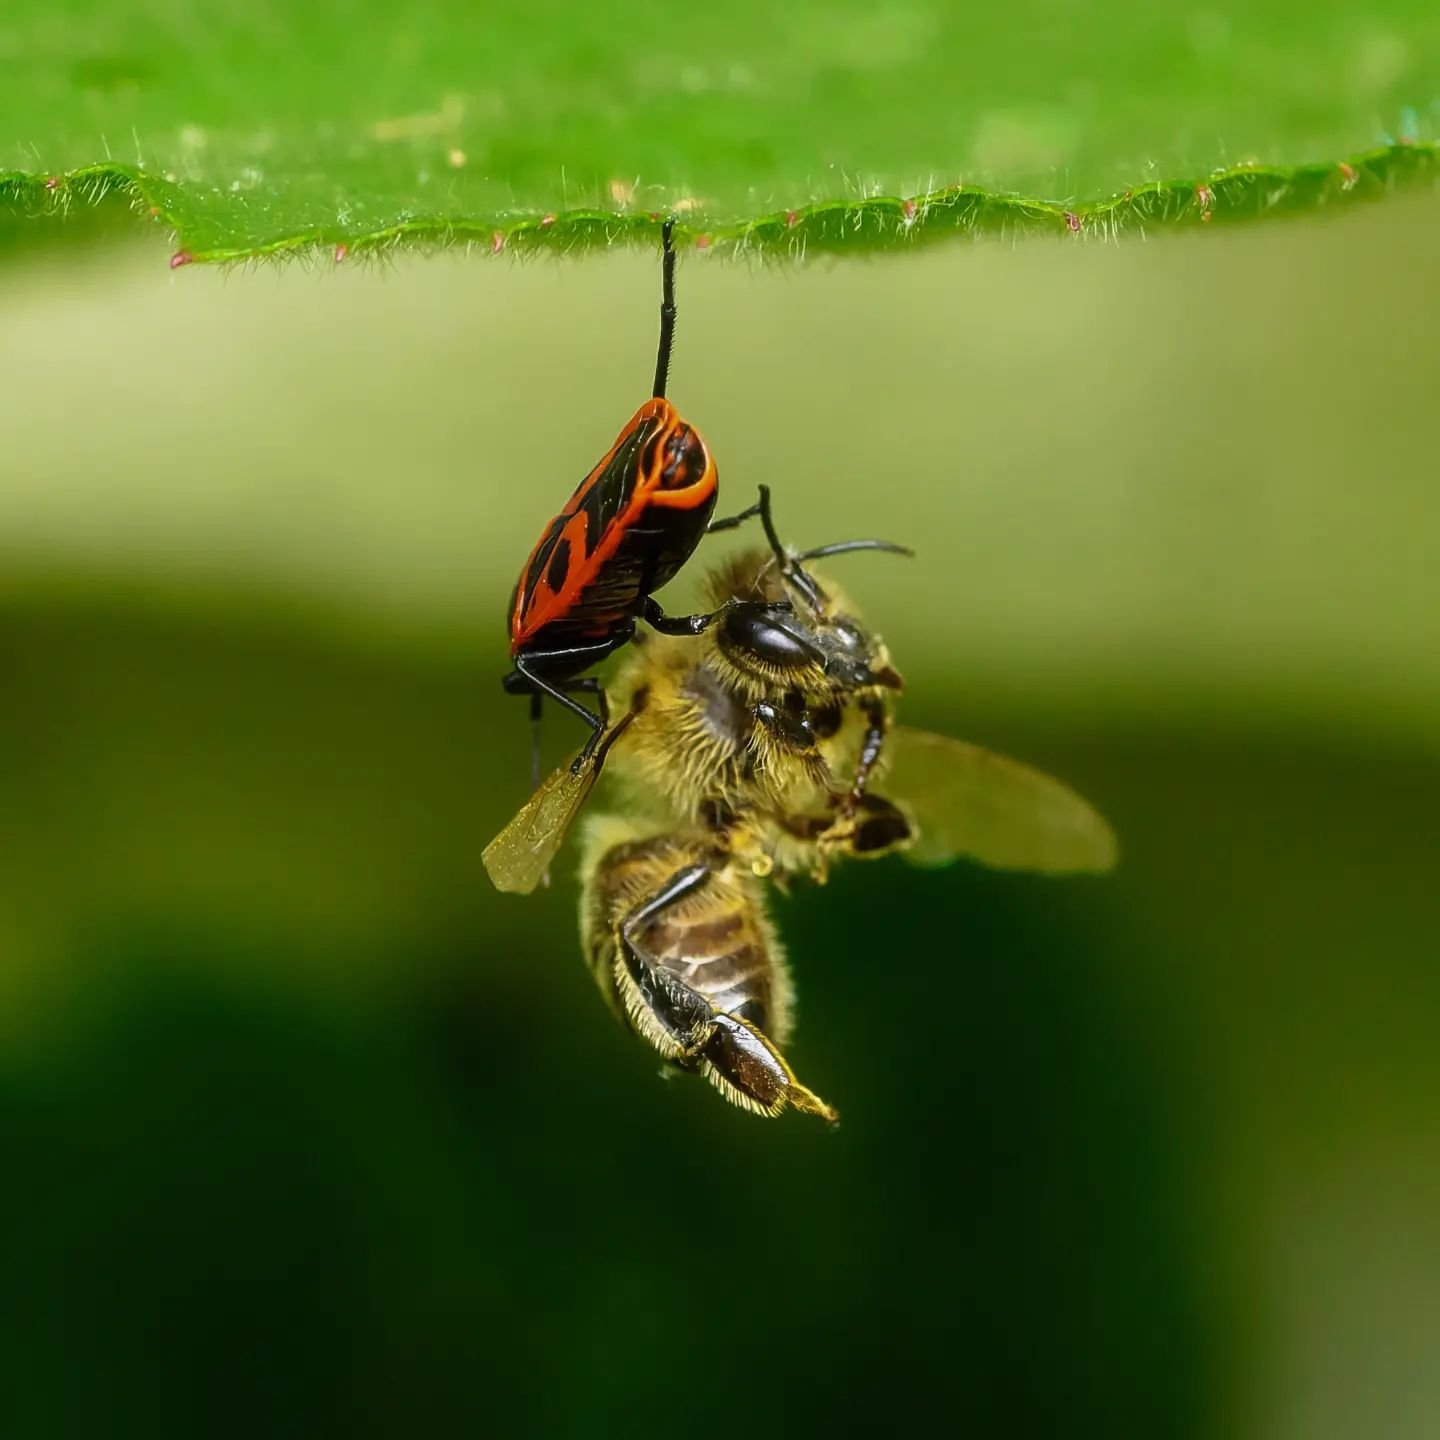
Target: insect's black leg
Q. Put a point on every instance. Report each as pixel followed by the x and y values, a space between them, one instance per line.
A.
pixel 678 624
pixel 542 685
pixel 599 745
pixel 570 660
pixel 682 1013
pixel 537 700
pixel 602 700
pixel 524 679
pixel 590 685
pixel 683 882
pixel 732 522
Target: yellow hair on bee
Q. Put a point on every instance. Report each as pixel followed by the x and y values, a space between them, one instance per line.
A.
pixel 736 1096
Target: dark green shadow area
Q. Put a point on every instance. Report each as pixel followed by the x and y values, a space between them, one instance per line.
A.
pixel 447 1214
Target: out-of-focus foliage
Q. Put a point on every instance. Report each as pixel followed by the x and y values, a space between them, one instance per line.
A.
pixel 269 128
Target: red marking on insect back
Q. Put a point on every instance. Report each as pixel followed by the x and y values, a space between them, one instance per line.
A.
pixel 181 257
pixel 546 221
pixel 1073 221
pixel 1204 198
pixel 907 209
pixel 1348 176
pixel 156 212
pixel 341 251
pixel 791 219
pixel 497 242
pixel 541 598
pixel 53 183
pixel 702 242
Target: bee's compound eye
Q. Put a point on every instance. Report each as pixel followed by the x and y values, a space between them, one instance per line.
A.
pixel 766 633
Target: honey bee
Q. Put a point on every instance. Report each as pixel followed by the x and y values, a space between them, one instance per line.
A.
pixel 752 751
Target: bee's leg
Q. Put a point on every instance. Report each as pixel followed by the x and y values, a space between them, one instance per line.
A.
pixel 877 722
pixel 738 1059
pixel 666 1011
pixel 687 1029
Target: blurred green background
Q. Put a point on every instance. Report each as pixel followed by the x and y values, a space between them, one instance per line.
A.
pixel 303 1129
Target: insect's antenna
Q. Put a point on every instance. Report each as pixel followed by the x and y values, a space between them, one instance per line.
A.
pixel 667 308
pixel 767 520
pixel 790 568
pixel 845 547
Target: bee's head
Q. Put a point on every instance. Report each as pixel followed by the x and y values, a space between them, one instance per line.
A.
pixel 785 628
pixel 777 643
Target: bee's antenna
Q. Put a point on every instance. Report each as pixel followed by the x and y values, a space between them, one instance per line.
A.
pixel 844 547
pixel 767 520
pixel 790 566
pixel 667 308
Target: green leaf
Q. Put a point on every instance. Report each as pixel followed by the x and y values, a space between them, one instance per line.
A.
pixel 269 128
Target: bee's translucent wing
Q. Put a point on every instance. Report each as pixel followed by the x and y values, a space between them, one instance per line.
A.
pixel 970 802
pixel 518 857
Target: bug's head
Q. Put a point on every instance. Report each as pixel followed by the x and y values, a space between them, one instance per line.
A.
pixel 674 458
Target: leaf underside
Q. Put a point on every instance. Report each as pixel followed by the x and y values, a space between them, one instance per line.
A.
pixel 825 126
pixel 875 222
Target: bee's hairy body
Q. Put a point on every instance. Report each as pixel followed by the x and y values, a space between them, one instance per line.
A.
pixel 719 738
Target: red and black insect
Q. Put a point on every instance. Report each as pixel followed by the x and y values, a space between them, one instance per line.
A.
pixel 632 522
